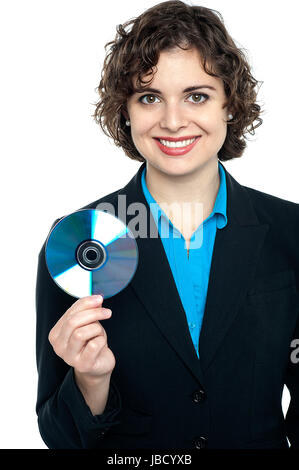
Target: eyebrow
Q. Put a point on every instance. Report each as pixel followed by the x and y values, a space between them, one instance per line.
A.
pixel 190 88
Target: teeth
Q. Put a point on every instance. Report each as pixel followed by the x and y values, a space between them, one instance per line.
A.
pixel 182 143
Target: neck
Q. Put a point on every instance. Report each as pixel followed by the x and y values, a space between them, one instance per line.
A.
pixel 198 187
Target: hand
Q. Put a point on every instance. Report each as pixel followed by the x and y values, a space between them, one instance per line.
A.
pixel 81 341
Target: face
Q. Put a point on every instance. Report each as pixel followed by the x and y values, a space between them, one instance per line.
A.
pixel 172 112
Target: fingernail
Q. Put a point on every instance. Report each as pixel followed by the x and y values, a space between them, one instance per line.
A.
pixel 98 298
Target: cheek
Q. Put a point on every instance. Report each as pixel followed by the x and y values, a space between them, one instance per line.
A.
pixel 146 121
pixel 210 119
pixel 138 134
pixel 141 127
pixel 216 125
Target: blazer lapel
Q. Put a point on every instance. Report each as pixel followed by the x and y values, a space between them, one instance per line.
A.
pixel 236 249
pixel 236 252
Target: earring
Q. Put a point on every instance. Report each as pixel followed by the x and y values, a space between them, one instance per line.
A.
pixel 128 123
pixel 230 116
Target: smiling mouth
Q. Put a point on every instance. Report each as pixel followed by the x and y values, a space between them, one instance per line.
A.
pixel 177 143
pixel 177 148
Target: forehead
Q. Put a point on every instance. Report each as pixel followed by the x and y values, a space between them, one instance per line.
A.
pixel 177 67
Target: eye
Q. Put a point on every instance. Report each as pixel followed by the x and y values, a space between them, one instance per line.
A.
pixel 145 96
pixel 199 95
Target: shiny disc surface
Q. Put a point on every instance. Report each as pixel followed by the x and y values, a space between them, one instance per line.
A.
pixel 91 252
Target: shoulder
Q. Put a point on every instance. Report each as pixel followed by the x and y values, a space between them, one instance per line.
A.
pixel 282 217
pixel 108 198
pixel 273 209
pixel 106 202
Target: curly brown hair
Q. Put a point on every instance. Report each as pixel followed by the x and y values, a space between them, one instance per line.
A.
pixel 135 51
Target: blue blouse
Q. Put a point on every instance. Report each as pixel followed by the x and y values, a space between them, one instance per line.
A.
pixel 191 274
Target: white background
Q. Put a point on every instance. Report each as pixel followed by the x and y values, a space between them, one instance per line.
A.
pixel 55 159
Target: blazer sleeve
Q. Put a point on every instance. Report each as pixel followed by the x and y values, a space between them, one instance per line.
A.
pixel 292 372
pixel 64 419
pixel 292 382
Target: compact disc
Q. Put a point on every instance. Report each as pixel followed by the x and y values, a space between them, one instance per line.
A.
pixel 91 252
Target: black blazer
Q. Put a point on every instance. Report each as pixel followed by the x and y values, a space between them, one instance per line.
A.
pixel 161 395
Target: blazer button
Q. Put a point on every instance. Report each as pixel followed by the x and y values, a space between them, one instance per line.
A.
pixel 200 442
pixel 198 396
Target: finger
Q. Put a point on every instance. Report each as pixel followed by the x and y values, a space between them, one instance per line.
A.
pixel 91 301
pixel 78 320
pixel 81 336
pixel 91 351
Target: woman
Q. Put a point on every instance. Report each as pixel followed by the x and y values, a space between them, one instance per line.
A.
pixel 195 351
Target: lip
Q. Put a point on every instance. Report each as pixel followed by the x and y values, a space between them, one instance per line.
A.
pixel 177 151
pixel 178 139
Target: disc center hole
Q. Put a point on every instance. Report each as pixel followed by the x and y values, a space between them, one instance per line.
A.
pixel 91 254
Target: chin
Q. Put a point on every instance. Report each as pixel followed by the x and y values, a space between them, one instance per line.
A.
pixel 178 168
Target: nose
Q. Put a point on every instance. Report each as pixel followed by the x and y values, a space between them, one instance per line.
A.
pixel 173 117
